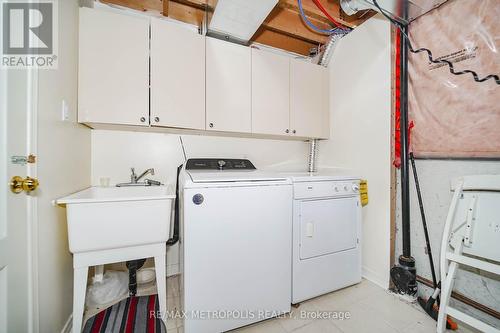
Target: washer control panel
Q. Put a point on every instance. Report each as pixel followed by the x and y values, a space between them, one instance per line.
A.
pixel 219 164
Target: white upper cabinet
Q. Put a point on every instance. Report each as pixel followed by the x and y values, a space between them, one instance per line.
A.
pixel 228 86
pixel 113 78
pixel 177 76
pixel 270 93
pixel 136 70
pixel 309 114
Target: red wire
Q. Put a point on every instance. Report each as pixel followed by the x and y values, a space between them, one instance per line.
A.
pixel 320 6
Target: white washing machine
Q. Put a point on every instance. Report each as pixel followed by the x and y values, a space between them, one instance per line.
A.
pixel 236 240
pixel 326 234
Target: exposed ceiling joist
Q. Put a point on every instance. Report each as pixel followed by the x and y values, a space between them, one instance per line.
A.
pixel 165 7
pixel 283 28
pixel 288 22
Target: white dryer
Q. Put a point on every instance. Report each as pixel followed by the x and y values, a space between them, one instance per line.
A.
pixel 326 234
pixel 236 240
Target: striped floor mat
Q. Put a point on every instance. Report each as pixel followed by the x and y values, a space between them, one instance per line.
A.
pixel 132 315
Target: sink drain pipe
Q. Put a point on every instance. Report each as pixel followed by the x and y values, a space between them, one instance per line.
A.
pixel 134 265
pixel 175 237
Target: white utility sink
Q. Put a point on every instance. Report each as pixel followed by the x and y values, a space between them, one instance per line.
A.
pixel 114 224
pixel 102 218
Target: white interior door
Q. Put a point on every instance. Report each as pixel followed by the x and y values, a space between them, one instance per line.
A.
pixel 16 92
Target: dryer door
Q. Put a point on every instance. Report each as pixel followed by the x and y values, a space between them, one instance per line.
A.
pixel 327 226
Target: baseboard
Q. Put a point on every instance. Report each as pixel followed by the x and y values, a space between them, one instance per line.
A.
pixel 376 278
pixel 68 326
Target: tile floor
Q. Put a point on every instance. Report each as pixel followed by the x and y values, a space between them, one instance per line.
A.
pixel 371 309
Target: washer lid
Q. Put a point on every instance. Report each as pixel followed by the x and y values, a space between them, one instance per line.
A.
pixel 204 176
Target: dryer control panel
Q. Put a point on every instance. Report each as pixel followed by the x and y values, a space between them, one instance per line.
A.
pixel 323 189
pixel 219 164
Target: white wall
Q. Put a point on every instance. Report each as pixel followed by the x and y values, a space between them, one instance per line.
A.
pixel 360 125
pixel 63 168
pixel 434 177
pixel 114 152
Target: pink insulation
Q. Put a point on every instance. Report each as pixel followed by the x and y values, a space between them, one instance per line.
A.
pixel 455 116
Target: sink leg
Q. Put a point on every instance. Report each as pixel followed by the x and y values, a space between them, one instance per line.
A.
pixel 99 273
pixel 161 283
pixel 79 290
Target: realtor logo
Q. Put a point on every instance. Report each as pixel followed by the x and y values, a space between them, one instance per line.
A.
pixel 29 34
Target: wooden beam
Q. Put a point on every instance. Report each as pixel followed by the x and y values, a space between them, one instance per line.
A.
pixel 192 13
pixel 142 5
pixel 186 13
pixel 289 23
pixel 165 7
pixel 283 42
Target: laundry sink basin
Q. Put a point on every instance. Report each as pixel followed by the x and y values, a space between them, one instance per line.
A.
pixel 102 218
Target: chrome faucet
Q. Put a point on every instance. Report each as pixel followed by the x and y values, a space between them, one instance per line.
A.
pixel 134 179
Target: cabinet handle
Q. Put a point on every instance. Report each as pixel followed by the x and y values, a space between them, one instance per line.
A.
pixel 157 119
pixel 294 131
pixel 143 119
pixel 211 125
pixel 287 131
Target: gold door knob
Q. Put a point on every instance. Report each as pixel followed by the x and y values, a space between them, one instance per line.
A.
pixel 18 184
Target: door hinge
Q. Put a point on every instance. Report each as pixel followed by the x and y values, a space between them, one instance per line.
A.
pixel 22 160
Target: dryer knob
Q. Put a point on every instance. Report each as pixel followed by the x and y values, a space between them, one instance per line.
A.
pixel 346 188
pixel 198 199
pixel 355 187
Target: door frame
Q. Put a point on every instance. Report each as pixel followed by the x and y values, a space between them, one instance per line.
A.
pixel 32 204
pixel 32 201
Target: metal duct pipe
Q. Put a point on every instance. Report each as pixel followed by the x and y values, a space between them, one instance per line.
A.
pixel 329 46
pixel 313 154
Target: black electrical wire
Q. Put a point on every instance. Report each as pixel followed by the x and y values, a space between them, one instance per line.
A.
pixel 429 53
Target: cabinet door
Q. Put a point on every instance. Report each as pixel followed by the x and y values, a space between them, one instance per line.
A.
pixel 308 99
pixel 177 76
pixel 228 86
pixel 270 93
pixel 113 76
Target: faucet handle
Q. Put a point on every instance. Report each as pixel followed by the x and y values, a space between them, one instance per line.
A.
pixel 152 182
pixel 132 175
